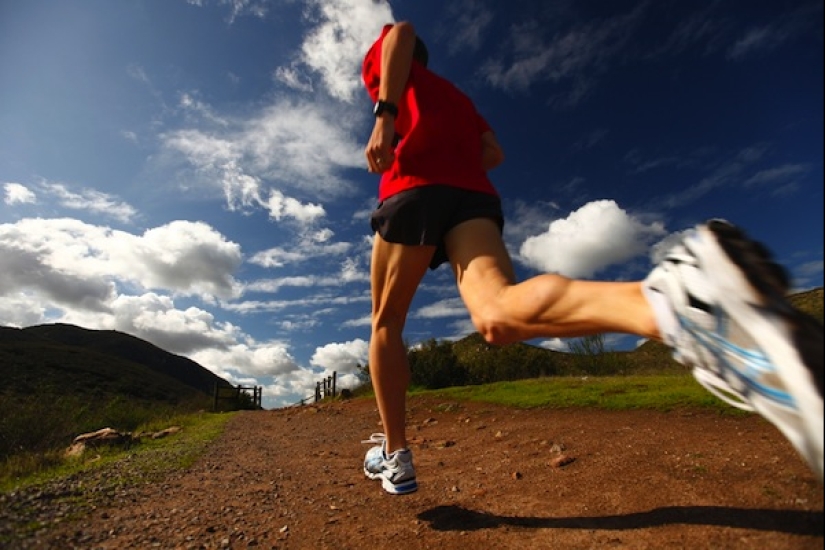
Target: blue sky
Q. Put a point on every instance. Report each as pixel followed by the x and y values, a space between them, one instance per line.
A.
pixel 192 172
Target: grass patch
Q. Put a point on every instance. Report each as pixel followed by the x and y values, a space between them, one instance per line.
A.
pixel 149 459
pixel 70 489
pixel 656 392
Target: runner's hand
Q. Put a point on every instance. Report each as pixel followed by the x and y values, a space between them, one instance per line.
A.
pixel 379 151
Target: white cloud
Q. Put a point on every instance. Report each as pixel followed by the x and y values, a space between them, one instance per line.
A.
pixel 19 309
pixel 90 200
pixel 258 359
pixel 721 173
pixel 291 145
pixel 342 358
pixel 279 257
pixel 597 235
pixel 555 344
pixel 293 78
pixel 524 219
pixel 576 55
pixel 189 102
pixel 781 175
pixel 335 47
pixel 755 39
pixel 315 300
pixel 451 307
pixel 472 21
pixel 72 262
pixel 17 193
pixel 155 318
pixel 363 321
pixel 280 206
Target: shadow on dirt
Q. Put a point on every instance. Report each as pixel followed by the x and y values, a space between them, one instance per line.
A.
pixel 795 522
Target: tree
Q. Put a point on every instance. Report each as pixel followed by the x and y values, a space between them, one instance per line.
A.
pixel 592 358
pixel 434 365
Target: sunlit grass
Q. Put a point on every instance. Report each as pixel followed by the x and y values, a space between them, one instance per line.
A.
pixel 655 392
pixel 148 457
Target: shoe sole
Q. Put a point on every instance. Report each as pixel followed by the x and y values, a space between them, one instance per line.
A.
pixel 751 287
pixel 403 488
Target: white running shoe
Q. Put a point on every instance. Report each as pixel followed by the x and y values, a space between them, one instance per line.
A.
pixel 395 470
pixel 746 343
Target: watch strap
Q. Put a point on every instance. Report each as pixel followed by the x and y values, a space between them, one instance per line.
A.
pixel 382 107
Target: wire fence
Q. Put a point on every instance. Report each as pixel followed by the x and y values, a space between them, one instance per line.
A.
pixel 323 389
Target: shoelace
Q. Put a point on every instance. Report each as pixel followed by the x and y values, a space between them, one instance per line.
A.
pixel 375 439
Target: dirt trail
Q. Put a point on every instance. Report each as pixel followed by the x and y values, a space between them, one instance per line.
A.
pixel 292 479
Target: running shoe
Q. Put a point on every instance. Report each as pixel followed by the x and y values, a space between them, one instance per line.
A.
pixel 395 470
pixel 745 342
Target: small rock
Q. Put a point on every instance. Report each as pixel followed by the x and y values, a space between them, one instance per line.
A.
pixel 561 460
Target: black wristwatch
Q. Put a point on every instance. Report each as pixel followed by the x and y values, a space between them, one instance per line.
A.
pixel 382 107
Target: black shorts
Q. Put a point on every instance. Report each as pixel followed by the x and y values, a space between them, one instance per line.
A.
pixel 424 215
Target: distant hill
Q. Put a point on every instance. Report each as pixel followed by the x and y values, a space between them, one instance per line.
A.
pixel 65 359
pixel 810 302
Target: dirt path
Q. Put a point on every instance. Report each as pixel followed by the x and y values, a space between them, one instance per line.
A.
pixel 292 479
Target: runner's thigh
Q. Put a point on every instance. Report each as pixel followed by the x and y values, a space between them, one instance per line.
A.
pixel 480 261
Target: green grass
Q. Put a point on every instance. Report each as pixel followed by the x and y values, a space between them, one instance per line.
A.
pixel 79 486
pixel 148 459
pixel 657 392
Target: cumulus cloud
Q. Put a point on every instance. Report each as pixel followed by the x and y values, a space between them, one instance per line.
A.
pixel 16 193
pixel 188 257
pixel 555 344
pixel 590 239
pixel 343 359
pixel 73 262
pixel 256 359
pixel 156 318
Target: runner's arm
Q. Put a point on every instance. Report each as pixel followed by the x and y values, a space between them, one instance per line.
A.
pixel 491 152
pixel 396 61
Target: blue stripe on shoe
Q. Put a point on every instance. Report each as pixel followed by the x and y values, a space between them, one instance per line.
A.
pixel 404 487
pixel 755 362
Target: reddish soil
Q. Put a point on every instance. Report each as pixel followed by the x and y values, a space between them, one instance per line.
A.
pixel 488 479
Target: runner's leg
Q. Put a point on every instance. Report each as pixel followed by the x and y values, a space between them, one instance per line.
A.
pixel 395 274
pixel 547 305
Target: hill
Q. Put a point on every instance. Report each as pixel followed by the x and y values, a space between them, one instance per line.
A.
pixel 62 380
pixel 134 350
pixel 71 359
